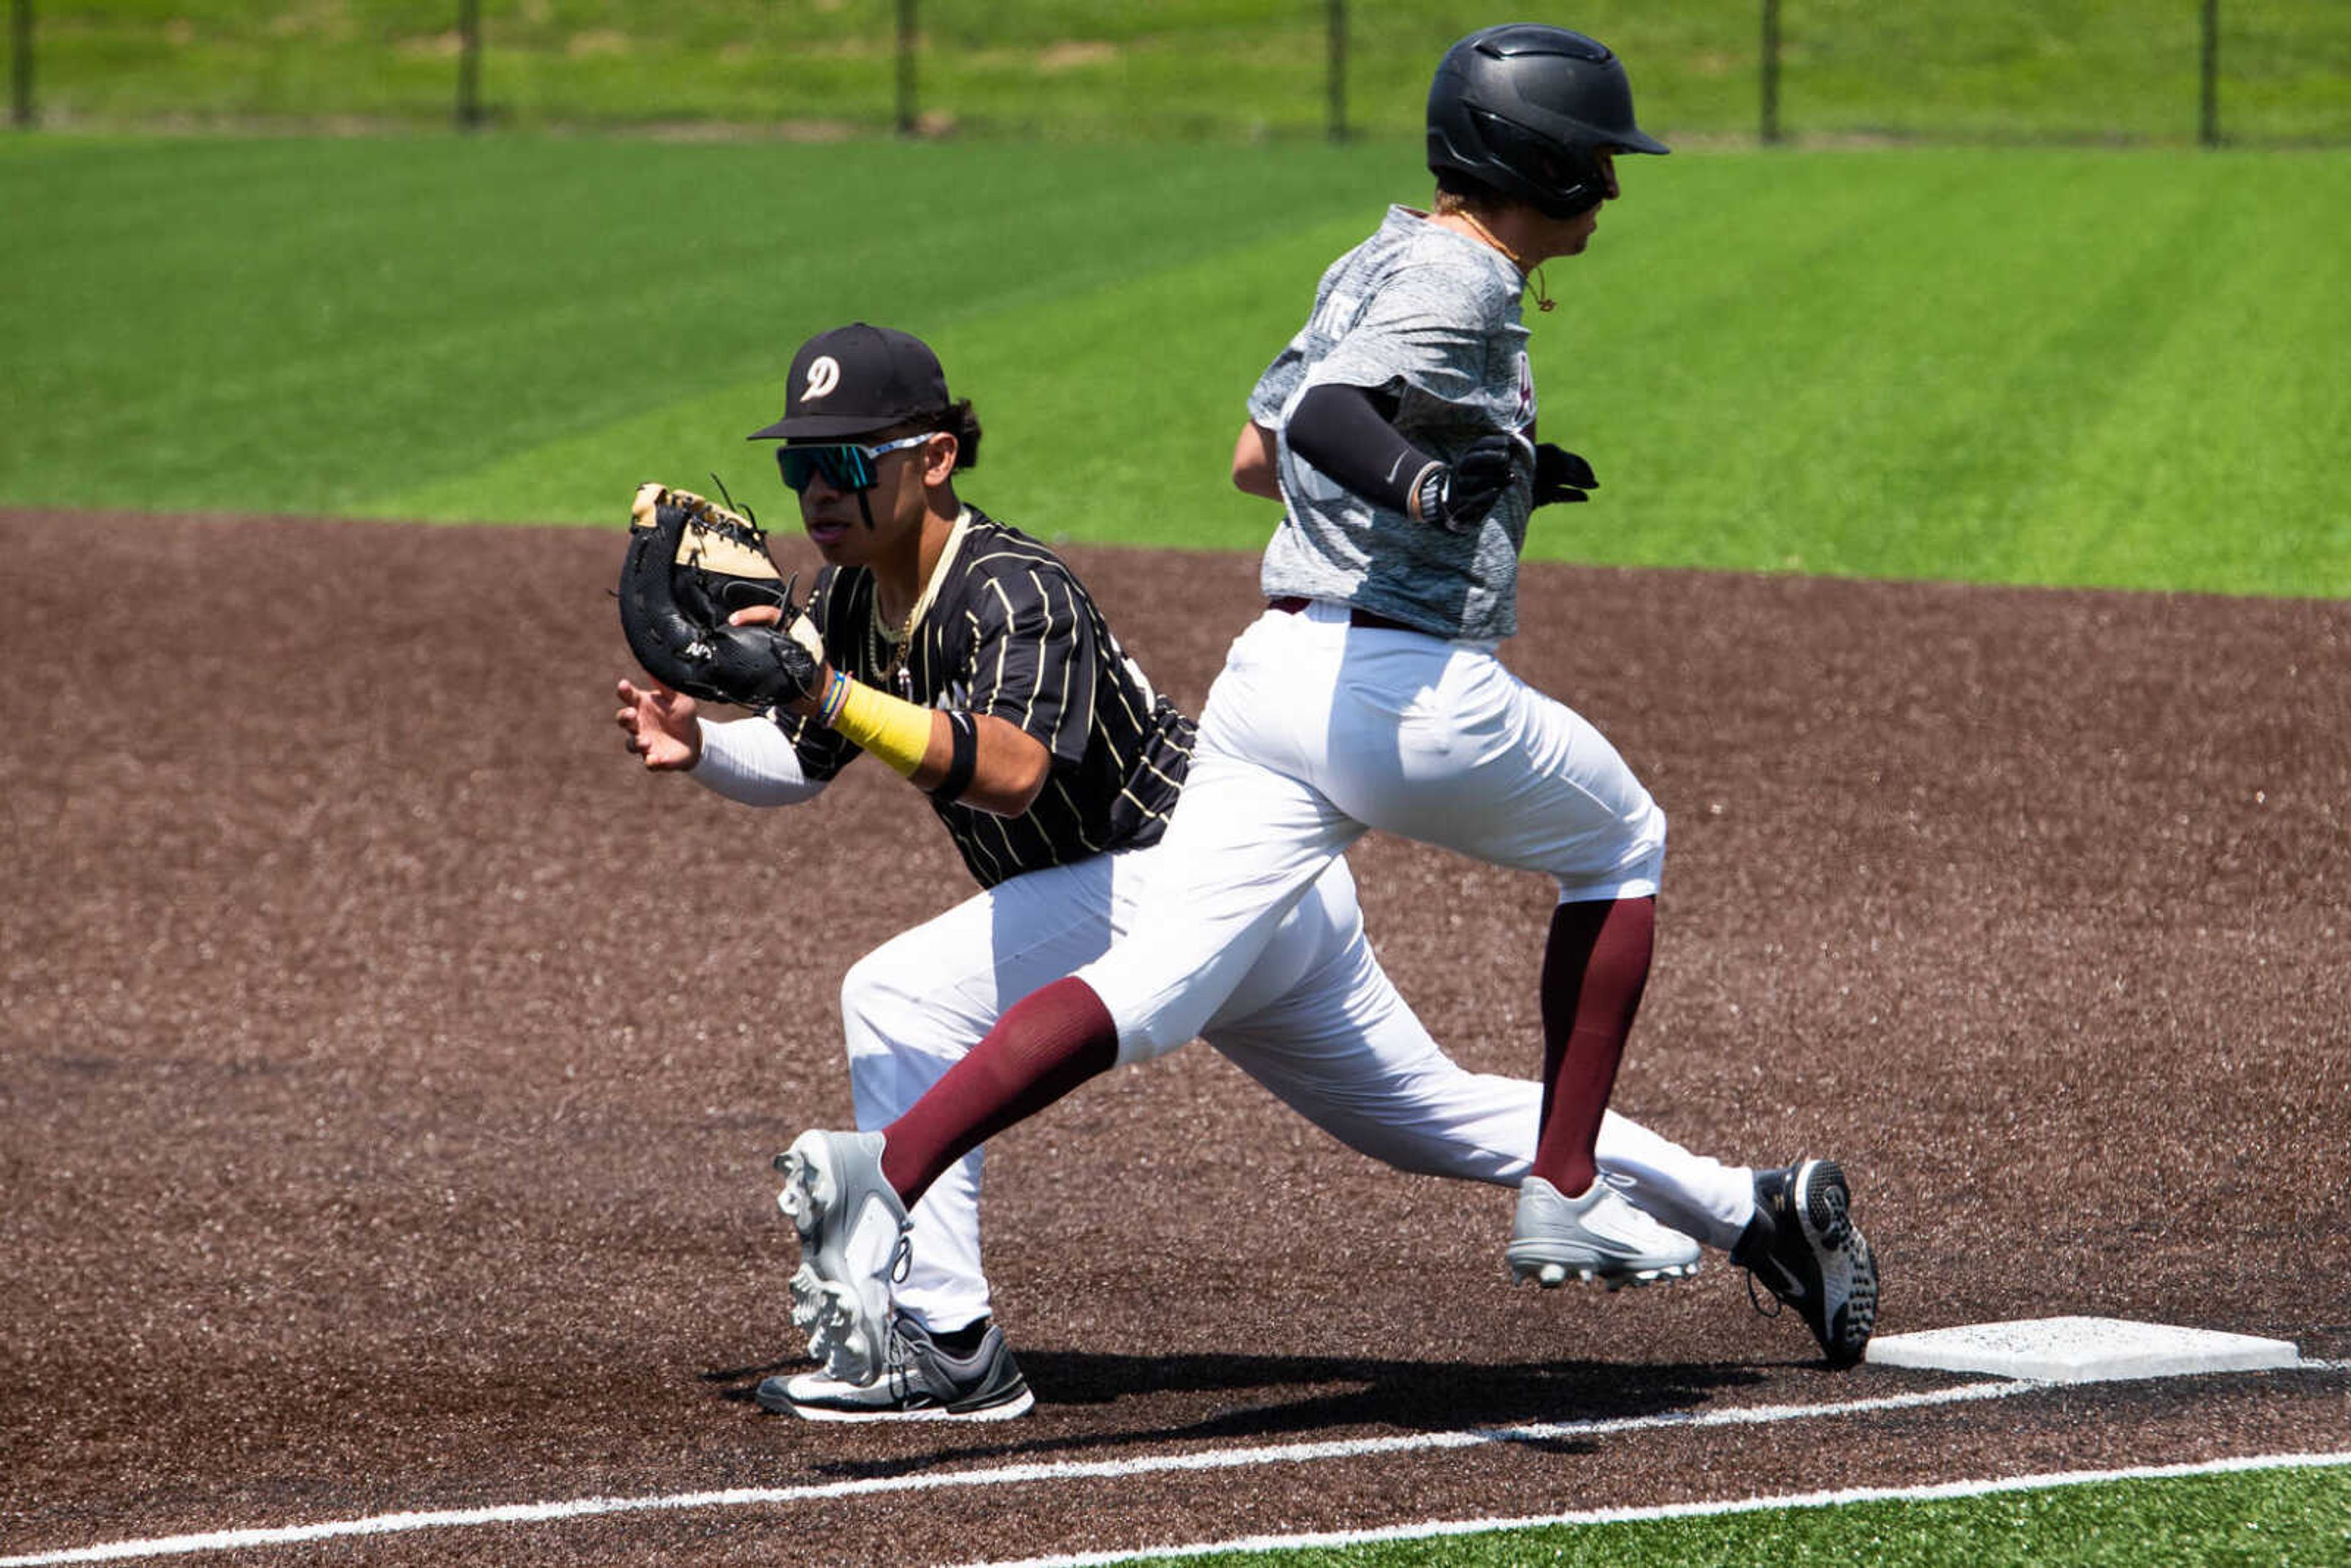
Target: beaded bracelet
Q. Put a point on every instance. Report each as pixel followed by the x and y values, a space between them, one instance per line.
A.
pixel 834 695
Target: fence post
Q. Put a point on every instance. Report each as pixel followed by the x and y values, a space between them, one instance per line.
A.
pixel 1338 69
pixel 20 70
pixel 906 67
pixel 2210 132
pixel 1770 71
pixel 469 64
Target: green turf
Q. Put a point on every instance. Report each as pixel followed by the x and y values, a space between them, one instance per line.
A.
pixel 2044 367
pixel 1084 69
pixel 2096 367
pixel 519 328
pixel 2275 1517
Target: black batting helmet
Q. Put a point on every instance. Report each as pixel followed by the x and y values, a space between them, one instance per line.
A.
pixel 1525 110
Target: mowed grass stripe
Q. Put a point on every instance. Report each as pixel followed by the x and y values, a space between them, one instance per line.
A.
pixel 2207 455
pixel 2064 366
pixel 1108 414
pixel 1977 366
pixel 433 306
pixel 2280 1513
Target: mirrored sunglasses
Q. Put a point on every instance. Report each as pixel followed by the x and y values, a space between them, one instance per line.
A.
pixel 845 466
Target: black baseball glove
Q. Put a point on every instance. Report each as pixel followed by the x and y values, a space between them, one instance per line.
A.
pixel 1561 476
pixel 692 564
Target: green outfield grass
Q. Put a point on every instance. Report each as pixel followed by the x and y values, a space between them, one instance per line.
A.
pixel 2276 1517
pixel 1087 69
pixel 2059 366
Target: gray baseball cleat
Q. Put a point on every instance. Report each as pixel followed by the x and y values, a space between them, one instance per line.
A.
pixel 1597 1236
pixel 922 1380
pixel 852 1247
pixel 1804 1246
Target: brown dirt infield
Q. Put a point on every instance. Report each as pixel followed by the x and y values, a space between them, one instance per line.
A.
pixel 391 1067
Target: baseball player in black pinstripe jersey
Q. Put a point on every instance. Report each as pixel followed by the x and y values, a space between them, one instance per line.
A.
pixel 968 656
pixel 1004 633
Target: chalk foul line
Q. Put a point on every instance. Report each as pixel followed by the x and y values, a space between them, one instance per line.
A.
pixel 1934 1492
pixel 998 1476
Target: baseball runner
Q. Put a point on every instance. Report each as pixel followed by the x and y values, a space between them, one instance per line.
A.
pixel 1055 768
pixel 1397 428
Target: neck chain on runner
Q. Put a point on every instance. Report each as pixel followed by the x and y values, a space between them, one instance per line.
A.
pixel 891 648
pixel 1542 293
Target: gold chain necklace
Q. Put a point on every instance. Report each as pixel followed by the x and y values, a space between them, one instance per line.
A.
pixel 1542 292
pixel 891 650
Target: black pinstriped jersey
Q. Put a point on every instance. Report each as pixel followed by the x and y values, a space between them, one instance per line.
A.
pixel 1009 631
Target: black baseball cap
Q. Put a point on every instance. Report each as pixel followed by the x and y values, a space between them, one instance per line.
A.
pixel 858 378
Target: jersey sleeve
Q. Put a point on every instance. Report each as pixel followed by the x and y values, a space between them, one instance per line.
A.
pixel 1269 401
pixel 1270 398
pixel 1033 657
pixel 1426 329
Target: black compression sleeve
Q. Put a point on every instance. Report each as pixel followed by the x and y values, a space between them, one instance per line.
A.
pixel 1341 430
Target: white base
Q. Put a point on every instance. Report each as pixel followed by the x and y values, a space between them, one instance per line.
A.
pixel 2081 1350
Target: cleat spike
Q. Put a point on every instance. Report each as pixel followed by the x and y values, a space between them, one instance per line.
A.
pixel 852 1235
pixel 1596 1238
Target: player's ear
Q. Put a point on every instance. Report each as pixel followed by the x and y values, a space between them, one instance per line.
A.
pixel 940 454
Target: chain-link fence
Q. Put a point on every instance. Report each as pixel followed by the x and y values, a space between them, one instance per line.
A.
pixel 2262 71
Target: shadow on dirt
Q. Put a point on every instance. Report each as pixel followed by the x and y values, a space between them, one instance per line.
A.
pixel 1337 1399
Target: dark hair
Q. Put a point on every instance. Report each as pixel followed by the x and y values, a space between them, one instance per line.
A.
pixel 957 420
pixel 963 424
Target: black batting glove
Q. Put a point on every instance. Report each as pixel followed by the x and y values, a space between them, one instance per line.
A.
pixel 1560 476
pixel 1456 496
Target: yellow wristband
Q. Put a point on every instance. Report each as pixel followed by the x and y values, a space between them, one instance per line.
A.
pixel 893 729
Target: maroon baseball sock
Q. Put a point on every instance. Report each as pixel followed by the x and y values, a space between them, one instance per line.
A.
pixel 1045 1045
pixel 1595 965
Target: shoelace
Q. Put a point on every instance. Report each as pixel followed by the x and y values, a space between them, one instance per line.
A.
pixel 1779 1303
pixel 897 1356
pixel 898 1362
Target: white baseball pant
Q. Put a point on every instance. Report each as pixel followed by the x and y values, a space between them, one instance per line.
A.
pixel 1317 731
pixel 1315 1020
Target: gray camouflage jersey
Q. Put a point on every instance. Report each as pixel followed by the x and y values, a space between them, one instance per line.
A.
pixel 1429 318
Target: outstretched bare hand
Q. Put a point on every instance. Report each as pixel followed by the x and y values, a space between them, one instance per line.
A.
pixel 660 727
